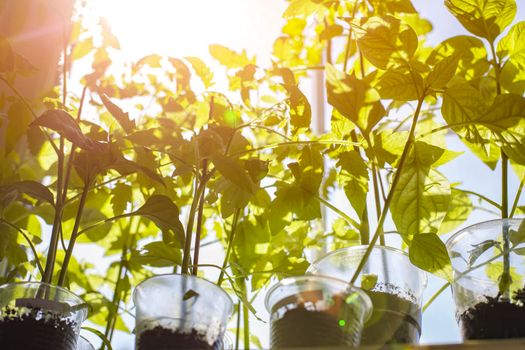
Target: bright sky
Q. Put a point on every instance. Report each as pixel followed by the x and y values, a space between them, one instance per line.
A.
pixel 187 27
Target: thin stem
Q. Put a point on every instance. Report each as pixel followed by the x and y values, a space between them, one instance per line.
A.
pixel 517 198
pixel 238 329
pixel 199 224
pixel 246 323
pixel 231 237
pixel 388 200
pixel 189 227
pixel 433 297
pixel 73 148
pixel 57 221
pixel 31 245
pixel 74 235
pixel 480 196
pixel 336 210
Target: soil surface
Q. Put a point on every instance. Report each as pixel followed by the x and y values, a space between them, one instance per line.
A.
pixel 494 318
pixel 394 320
pixel 305 327
pixel 36 330
pixel 160 338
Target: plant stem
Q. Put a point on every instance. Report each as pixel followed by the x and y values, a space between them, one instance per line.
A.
pixel 74 235
pixel 199 224
pixel 189 227
pixel 504 185
pixel 57 221
pixel 480 196
pixel 31 245
pixel 336 210
pixel 431 300
pixel 238 329
pixel 395 181
pixel 235 220
pixel 246 322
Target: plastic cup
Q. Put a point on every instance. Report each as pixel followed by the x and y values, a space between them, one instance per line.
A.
pixel 180 312
pixel 36 316
pixel 315 311
pixel 483 309
pixel 394 285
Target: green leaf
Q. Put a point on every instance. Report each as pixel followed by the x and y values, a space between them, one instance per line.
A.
pixel 164 213
pixel 18 120
pixel 422 196
pixel 232 170
pixel 121 195
pixel 511 50
pixel 82 48
pixel 300 109
pixel 430 254
pixel 190 294
pixel 368 281
pixel 480 248
pixel 301 8
pixel 230 58
pixel 383 40
pixel 470 51
pixel 63 123
pixel 484 18
pixel 518 236
pixel 158 254
pixel 458 212
pixel 354 179
pixel 31 188
pixel 400 85
pixel 355 99
pixel 122 118
pixel 442 72
pixel 202 70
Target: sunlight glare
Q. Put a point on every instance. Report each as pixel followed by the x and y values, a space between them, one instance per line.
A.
pixel 187 27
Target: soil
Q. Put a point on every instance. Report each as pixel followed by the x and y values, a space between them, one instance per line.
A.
pixel 160 338
pixel 495 318
pixel 303 326
pixel 36 330
pixel 394 320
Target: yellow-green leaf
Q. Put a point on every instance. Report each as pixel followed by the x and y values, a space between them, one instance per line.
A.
pixel 430 254
pixel 484 18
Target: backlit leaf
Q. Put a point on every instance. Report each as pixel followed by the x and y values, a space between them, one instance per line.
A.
pixel 484 18
pixel 430 254
pixel 122 118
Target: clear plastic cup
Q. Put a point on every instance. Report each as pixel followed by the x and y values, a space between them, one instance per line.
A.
pixel 315 311
pixel 36 315
pixel 179 312
pixel 476 252
pixel 84 344
pixel 394 285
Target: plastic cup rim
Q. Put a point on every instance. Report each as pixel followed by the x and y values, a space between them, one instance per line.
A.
pixel 224 293
pixel 293 280
pixel 422 274
pixel 78 300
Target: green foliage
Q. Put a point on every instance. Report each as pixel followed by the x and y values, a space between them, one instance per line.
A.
pixel 242 167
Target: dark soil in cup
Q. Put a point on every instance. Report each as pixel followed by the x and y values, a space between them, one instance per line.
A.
pixel 303 327
pixel 36 330
pixel 160 338
pixel 394 320
pixel 495 318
